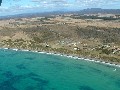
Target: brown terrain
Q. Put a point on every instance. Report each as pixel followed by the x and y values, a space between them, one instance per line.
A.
pixel 90 38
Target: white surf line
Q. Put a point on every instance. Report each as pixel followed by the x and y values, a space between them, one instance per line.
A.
pixel 5 48
pixel 66 55
pixel 97 61
pixel 41 52
pixel 15 49
pixel 24 50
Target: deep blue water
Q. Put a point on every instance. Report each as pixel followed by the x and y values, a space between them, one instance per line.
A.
pixel 33 71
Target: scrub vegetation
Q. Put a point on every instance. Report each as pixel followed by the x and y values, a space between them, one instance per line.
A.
pixel 90 38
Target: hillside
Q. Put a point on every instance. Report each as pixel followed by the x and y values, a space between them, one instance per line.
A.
pixel 62 34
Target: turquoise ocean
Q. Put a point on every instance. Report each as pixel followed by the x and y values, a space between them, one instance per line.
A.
pixel 20 70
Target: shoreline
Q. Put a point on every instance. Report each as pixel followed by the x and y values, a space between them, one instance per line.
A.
pixel 67 55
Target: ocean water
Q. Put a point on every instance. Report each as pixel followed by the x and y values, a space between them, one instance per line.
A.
pixel 21 70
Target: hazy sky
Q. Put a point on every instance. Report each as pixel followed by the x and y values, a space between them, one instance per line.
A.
pixel 26 6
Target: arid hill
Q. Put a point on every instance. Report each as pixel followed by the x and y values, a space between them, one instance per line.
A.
pixel 81 37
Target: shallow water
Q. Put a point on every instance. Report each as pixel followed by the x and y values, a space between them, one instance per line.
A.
pixel 33 71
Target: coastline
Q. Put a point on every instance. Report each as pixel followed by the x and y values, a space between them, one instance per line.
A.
pixel 67 55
